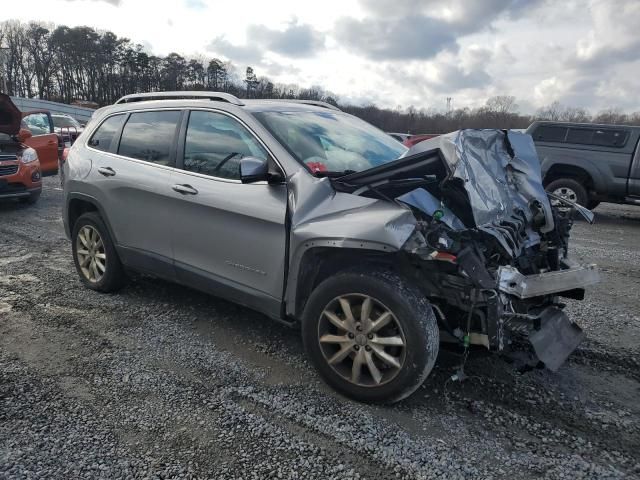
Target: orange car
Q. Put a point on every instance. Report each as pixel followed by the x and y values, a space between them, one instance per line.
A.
pixel 43 139
pixel 20 175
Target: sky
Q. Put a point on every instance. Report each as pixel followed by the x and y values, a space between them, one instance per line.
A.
pixel 399 53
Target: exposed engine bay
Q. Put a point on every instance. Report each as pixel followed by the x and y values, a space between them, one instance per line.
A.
pixel 490 249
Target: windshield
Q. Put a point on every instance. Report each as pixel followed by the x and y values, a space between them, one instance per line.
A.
pixel 60 121
pixel 331 142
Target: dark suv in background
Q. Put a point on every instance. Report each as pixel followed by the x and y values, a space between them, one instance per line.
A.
pixel 588 163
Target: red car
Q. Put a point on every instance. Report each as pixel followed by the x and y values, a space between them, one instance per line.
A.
pixel 20 175
pixel 411 141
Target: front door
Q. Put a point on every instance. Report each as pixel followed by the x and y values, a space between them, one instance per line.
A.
pixel 44 141
pixel 228 237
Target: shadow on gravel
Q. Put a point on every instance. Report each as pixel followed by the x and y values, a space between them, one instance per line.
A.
pixel 13 205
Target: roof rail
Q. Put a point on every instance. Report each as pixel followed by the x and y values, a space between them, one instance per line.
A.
pixel 317 103
pixel 215 96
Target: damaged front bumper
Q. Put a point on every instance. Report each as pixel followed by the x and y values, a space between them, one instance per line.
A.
pixel 571 278
pixel 549 330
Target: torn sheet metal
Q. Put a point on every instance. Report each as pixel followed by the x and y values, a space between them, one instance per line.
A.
pixel 429 204
pixel 556 338
pixel 501 174
pixel 317 211
pixel 587 214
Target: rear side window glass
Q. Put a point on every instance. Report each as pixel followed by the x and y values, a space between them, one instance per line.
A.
pixel 580 135
pixel 102 139
pixel 149 136
pixel 610 138
pixel 548 133
pixel 215 144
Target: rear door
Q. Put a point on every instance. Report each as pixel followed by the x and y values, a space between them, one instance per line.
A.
pixel 44 141
pixel 228 237
pixel 134 178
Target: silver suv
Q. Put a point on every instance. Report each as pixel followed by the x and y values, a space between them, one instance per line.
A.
pixel 315 218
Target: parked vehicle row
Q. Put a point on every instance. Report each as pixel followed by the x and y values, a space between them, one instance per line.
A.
pixel 316 218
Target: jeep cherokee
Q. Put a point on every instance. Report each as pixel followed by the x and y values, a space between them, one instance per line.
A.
pixel 316 218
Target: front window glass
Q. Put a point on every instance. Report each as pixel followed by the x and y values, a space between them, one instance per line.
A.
pixel 215 144
pixel 332 141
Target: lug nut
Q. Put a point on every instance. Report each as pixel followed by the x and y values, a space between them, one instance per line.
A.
pixel 359 327
pixel 367 348
pixel 370 336
pixel 351 335
pixel 356 347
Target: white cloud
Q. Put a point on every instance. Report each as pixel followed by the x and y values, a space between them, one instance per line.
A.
pixel 584 53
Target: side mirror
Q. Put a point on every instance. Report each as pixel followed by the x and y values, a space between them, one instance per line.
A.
pixel 24 134
pixel 254 169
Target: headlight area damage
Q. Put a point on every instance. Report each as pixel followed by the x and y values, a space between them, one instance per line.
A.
pixel 487 247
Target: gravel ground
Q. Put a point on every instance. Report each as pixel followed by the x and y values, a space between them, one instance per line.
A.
pixel 159 381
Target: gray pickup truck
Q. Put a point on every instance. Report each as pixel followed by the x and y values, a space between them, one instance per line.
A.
pixel 588 163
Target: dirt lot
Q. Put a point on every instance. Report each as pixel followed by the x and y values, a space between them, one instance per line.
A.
pixel 160 381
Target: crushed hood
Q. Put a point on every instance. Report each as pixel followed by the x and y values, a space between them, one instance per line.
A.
pixel 10 116
pixel 490 178
pixel 501 174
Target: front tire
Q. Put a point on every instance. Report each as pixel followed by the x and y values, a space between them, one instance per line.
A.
pixel 94 254
pixel 371 335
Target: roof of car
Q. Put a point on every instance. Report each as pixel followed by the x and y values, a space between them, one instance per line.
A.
pixel 185 98
pixel 250 105
pixel 579 124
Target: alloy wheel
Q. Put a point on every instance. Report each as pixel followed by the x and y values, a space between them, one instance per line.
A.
pixel 567 194
pixel 91 254
pixel 362 340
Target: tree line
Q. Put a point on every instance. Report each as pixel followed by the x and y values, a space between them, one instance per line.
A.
pixel 68 64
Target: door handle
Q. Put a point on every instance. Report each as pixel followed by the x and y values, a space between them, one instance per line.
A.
pixel 106 171
pixel 185 189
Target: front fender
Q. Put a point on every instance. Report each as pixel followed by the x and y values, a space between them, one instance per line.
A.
pixel 322 217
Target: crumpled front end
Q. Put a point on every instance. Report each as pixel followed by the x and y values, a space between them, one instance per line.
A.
pixel 489 248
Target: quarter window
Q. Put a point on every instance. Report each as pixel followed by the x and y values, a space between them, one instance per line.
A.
pixel 149 136
pixel 102 138
pixel 550 134
pixel 215 144
pixel 610 138
pixel 580 135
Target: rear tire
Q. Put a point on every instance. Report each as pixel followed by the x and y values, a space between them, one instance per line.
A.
pixel 382 362
pixel 570 189
pixel 94 254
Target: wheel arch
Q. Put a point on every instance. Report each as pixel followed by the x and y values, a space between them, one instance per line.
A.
pixel 321 259
pixel 77 204
pixel 563 170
